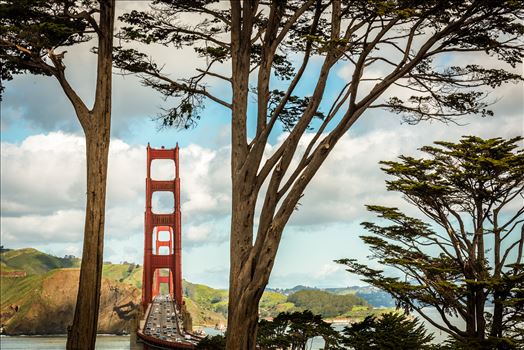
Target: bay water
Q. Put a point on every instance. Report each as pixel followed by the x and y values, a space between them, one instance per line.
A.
pixel 113 342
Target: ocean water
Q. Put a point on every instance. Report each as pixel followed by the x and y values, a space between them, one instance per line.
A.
pixel 103 342
pixel 108 342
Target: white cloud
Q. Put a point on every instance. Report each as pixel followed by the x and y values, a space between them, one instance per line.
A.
pixel 61 226
pixel 35 178
pixel 43 192
pixel 328 270
pixel 43 184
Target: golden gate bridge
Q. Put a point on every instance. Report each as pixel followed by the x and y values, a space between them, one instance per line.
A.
pixel 164 322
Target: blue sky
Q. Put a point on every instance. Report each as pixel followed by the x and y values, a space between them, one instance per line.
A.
pixel 43 180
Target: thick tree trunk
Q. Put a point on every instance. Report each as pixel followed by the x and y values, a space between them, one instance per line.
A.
pixel 243 301
pixel 82 334
pixel 242 320
pixel 249 275
pixel 97 126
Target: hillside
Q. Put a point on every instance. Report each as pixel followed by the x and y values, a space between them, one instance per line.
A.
pixel 125 273
pixel 34 262
pixel 327 304
pixel 44 304
pixel 37 293
pixel 374 296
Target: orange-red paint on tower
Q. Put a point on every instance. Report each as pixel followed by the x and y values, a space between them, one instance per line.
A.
pixel 156 223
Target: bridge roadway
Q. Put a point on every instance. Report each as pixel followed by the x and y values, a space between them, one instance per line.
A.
pixel 163 326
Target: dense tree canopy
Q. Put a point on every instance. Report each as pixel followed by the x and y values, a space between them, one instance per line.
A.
pixel 269 65
pixel 470 251
pixel 294 331
pixel 389 331
pixel 324 303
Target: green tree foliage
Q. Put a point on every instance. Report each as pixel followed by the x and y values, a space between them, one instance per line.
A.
pixel 324 303
pixel 257 57
pixel 294 330
pixel 30 31
pixel 390 331
pixel 216 342
pixel 286 331
pixel 471 250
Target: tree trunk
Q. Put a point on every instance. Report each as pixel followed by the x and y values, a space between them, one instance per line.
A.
pixel 499 297
pixel 82 334
pixel 242 320
pixel 243 299
pixel 97 126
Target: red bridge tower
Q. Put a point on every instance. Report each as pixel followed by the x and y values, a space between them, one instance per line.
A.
pixel 156 223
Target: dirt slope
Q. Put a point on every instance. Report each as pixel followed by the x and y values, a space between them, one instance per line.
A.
pixel 47 308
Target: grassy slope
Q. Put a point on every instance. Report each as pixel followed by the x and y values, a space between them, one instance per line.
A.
pixel 125 273
pixel 45 303
pixel 14 290
pixel 33 261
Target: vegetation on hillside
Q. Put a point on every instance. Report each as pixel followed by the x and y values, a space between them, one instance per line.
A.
pixel 34 262
pixel 125 273
pixel 272 303
pixel 44 304
pixel 326 304
pixel 374 296
pixel 208 306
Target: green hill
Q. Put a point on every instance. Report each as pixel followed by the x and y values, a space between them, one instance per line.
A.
pixel 34 262
pixel 208 306
pixel 205 297
pixel 124 273
pixel 13 290
pixel 327 304
pixel 44 304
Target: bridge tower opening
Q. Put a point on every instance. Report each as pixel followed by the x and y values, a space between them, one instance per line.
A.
pixel 163 246
pixel 161 253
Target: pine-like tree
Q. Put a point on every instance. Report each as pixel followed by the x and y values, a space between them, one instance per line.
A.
pixel 469 252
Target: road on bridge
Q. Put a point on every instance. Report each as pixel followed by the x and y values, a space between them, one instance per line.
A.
pixel 165 322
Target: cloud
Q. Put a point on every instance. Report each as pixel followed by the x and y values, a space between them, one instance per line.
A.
pixel 43 186
pixel 34 179
pixel 327 270
pixel 206 183
pixel 213 232
pixel 351 177
pixel 43 192
pixel 61 226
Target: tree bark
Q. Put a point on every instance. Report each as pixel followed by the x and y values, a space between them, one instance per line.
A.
pixel 97 126
pixel 242 318
pixel 243 302
pixel 82 334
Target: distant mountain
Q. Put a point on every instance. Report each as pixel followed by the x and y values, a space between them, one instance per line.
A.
pixel 374 296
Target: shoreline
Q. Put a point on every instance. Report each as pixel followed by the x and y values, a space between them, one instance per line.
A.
pixel 64 335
